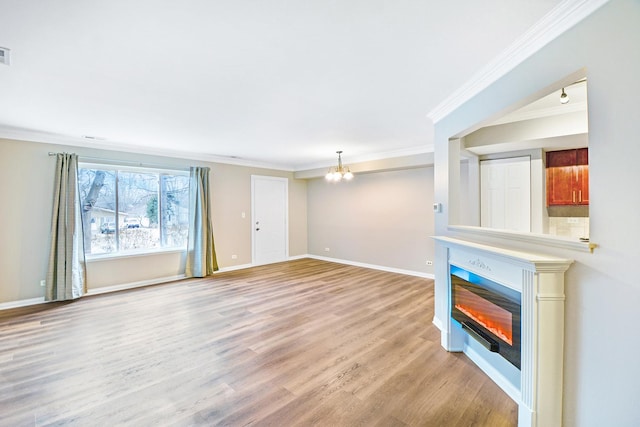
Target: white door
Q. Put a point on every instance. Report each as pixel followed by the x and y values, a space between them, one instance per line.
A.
pixel 269 212
pixel 505 193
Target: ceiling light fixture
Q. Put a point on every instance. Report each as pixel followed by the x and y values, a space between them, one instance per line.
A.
pixel 564 98
pixel 339 172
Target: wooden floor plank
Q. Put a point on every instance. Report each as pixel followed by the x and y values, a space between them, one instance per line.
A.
pixel 300 343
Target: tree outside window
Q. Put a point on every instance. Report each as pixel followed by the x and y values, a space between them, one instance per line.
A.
pixel 127 209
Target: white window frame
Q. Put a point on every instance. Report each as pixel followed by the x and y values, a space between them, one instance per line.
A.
pixel 118 167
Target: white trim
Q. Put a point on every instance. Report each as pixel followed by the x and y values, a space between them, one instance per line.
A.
pixel 493 373
pixel 94 291
pixel 158 281
pixel 90 258
pixel 339 261
pixel 133 285
pixel 116 288
pixel 21 303
pixel 243 266
pixel 436 321
pixel 403 152
pixel 538 239
pixel 233 268
pixel 8 132
pixel 373 266
pixel 553 24
pixel 128 166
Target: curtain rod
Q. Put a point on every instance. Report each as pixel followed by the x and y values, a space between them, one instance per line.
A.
pixel 125 162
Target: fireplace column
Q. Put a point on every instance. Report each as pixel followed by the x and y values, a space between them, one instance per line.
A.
pixel 541 387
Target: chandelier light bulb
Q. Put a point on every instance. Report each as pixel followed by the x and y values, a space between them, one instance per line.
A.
pixel 564 98
pixel 339 172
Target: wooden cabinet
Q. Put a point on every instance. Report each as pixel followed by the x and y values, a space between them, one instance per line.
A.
pixel 568 158
pixel 568 177
pixel 583 184
pixel 568 185
pixel 582 157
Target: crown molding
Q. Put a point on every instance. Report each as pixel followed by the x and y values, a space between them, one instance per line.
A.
pixel 21 134
pixel 383 155
pixel 553 24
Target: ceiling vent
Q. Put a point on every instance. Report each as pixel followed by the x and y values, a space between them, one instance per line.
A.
pixel 4 55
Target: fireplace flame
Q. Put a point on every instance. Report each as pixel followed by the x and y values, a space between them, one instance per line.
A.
pixel 496 327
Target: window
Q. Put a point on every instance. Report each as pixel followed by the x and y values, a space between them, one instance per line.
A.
pixel 133 209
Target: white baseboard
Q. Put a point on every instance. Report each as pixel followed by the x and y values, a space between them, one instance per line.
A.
pixel 373 266
pixel 233 268
pixel 95 291
pixel 291 258
pixel 21 303
pixel 438 323
pixel 339 261
pixel 157 281
pixel 133 285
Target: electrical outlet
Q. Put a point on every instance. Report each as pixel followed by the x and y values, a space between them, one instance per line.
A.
pixel 429 262
pixel 327 249
pixel 234 256
pixel 43 283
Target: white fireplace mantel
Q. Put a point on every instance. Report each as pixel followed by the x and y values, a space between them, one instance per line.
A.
pixel 540 280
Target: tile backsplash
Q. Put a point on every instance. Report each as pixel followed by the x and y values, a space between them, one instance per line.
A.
pixel 577 227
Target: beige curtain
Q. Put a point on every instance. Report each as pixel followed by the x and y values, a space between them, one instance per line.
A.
pixel 66 275
pixel 201 253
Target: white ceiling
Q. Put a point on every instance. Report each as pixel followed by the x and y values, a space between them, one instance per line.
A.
pixel 550 105
pixel 278 82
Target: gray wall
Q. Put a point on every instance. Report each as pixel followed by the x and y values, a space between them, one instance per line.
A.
pixel 602 290
pixel 26 173
pixel 380 218
pixel 383 218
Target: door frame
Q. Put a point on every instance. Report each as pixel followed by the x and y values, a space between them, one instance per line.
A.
pixel 254 178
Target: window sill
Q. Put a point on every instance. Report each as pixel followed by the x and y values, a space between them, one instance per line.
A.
pixel 133 254
pixel 540 239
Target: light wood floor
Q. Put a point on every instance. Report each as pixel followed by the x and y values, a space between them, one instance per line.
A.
pixel 301 343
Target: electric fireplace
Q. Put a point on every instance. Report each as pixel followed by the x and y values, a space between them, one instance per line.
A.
pixel 533 281
pixel 488 311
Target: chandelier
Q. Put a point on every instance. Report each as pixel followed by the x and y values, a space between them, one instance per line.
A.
pixel 339 172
